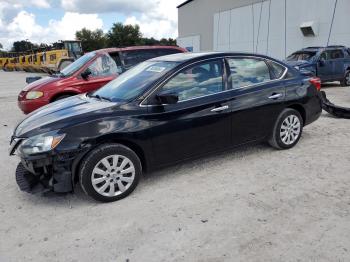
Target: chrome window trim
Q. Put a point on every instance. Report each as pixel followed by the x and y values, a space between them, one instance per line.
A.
pixel 215 58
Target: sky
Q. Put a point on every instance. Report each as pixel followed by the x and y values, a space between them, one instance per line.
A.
pixel 46 21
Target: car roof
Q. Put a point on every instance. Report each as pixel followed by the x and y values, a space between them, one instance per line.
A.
pixel 130 48
pixel 319 48
pixel 183 57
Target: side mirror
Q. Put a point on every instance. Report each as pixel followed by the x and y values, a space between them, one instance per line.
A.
pixel 167 99
pixel 321 62
pixel 86 73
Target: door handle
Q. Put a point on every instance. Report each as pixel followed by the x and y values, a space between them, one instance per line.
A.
pixel 219 109
pixel 275 96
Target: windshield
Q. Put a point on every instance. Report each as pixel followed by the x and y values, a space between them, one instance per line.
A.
pixel 135 81
pixel 301 56
pixel 77 64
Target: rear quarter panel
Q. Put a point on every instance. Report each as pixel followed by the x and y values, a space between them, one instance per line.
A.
pixel 300 92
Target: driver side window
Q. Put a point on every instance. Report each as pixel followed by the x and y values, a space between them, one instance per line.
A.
pixel 199 80
pixel 103 66
pixel 325 55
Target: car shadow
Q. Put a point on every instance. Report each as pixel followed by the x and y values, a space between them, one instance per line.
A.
pixel 330 85
pixel 79 199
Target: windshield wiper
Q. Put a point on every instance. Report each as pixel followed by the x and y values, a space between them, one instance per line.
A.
pixel 100 97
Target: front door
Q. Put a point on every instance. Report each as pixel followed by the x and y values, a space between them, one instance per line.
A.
pixel 325 66
pixel 103 69
pixel 199 122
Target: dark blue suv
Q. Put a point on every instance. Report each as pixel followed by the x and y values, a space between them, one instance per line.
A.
pixel 331 63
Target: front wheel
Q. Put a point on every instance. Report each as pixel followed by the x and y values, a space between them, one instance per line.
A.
pixel 110 172
pixel 287 130
pixel 346 80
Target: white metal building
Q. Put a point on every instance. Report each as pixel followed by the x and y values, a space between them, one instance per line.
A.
pixel 273 27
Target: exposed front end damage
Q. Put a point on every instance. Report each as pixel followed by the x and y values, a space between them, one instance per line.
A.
pixel 54 172
pixel 338 111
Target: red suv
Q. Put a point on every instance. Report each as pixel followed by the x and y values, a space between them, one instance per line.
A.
pixel 88 73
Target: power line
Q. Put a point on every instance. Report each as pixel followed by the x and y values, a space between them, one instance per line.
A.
pixel 253 26
pixel 257 38
pixel 268 29
pixel 285 28
pixel 331 27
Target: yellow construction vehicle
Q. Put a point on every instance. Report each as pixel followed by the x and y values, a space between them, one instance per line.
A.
pixel 10 63
pixel 3 60
pixel 63 55
pixel 37 67
pixel 49 60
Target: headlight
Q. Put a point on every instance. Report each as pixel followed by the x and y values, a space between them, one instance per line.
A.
pixel 297 67
pixel 34 95
pixel 40 143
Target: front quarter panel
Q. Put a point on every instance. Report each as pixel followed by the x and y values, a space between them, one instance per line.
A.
pixel 115 127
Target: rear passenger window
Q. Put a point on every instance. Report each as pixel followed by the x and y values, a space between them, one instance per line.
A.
pixel 247 71
pixel 133 57
pixel 336 54
pixel 277 70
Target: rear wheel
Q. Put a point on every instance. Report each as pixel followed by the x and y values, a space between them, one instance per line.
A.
pixel 346 80
pixel 110 172
pixel 287 130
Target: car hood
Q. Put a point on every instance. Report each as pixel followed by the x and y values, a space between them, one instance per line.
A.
pixel 41 82
pixel 63 113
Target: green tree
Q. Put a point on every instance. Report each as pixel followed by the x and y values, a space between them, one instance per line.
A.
pixel 169 41
pixel 1 46
pixel 124 35
pixel 91 40
pixel 23 45
pixel 149 41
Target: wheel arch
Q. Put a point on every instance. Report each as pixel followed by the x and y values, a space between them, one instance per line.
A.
pixel 57 95
pixel 301 111
pixel 139 151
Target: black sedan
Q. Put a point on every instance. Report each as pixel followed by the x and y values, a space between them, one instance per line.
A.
pixel 163 111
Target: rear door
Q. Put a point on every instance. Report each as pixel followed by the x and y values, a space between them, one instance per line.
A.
pixel 338 59
pixel 325 70
pixel 200 122
pixel 258 97
pixel 103 69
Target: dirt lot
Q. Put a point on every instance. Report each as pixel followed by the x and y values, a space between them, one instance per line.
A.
pixel 249 204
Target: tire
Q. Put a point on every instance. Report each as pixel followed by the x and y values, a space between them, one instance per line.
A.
pixel 292 132
pixel 108 176
pixel 64 64
pixel 346 80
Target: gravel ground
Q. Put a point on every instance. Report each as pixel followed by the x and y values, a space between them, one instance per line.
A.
pixel 248 204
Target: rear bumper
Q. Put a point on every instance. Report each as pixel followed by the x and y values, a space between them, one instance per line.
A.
pixel 338 111
pixel 313 109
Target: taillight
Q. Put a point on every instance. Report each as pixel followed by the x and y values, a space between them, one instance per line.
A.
pixel 316 82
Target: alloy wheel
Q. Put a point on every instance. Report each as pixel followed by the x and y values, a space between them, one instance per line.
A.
pixel 290 129
pixel 113 175
pixel 347 79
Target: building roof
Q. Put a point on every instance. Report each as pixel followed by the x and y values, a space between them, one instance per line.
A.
pixel 184 3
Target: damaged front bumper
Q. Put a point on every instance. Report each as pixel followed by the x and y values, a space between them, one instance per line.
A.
pixel 338 111
pixel 51 171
